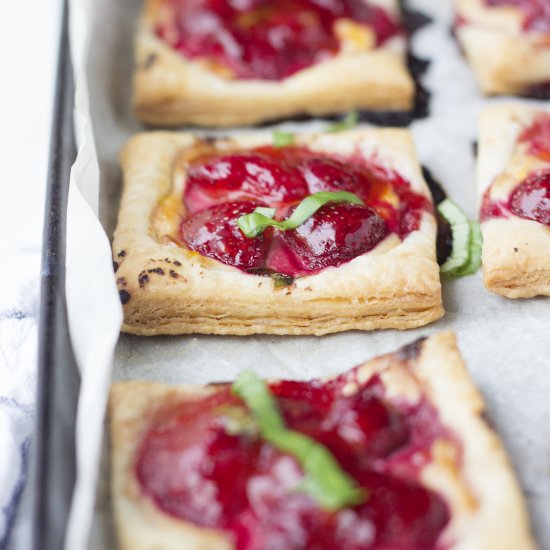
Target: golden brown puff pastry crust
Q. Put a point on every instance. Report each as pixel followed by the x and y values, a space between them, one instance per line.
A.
pixel 170 90
pixel 477 481
pixel 505 58
pixel 516 251
pixel 167 289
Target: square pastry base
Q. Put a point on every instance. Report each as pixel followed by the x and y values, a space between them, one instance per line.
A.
pixel 485 502
pixel 168 289
pixel 170 90
pixel 505 58
pixel 516 251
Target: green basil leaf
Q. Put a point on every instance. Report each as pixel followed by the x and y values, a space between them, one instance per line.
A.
pixel 257 222
pixel 281 281
pixel 465 257
pixel 475 244
pixel 254 224
pixel 255 393
pixel 325 481
pixel 269 212
pixel 282 139
pixel 347 123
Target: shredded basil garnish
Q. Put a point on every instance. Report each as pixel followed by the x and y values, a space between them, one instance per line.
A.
pixel 282 139
pixel 347 123
pixel 257 222
pixel 325 481
pixel 465 257
pixel 474 247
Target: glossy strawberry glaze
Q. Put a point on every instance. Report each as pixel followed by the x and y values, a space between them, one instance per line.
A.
pixel 195 466
pixel 264 39
pixel 531 198
pixel 219 189
pixel 536 13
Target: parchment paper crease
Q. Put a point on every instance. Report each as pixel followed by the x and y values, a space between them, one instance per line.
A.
pixel 506 344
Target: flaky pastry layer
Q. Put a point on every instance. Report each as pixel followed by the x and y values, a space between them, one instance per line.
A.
pixel 475 478
pixel 505 58
pixel 168 289
pixel 516 251
pixel 170 90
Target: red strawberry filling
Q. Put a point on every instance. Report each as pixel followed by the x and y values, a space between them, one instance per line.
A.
pixel 538 137
pixel 248 176
pixel 336 234
pixel 326 174
pixel 204 462
pixel 529 200
pixel 536 13
pixel 214 233
pixel 264 39
pixel 221 188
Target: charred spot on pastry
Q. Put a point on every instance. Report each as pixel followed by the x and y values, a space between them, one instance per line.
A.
pixel 150 61
pixel 121 281
pixel 157 270
pixel 411 351
pixel 143 279
pixel 124 296
pixel 115 266
pixel 174 274
pixel 121 254
pixel 516 249
pixel 176 262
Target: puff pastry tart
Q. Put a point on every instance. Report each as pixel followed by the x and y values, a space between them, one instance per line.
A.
pixel 214 63
pixel 185 265
pixel 200 468
pixel 514 185
pixel 508 44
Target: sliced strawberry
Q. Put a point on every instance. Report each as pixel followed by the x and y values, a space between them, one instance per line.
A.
pixel 191 439
pixel 531 199
pixel 326 174
pixel 337 233
pixel 214 233
pixel 245 176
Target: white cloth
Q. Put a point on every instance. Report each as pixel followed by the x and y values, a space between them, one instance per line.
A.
pixel 29 35
pixel 19 308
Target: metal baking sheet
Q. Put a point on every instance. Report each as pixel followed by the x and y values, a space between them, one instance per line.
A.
pixel 506 344
pixel 54 467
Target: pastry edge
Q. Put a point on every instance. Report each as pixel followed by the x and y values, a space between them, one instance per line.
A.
pixel 172 91
pixel 516 252
pixel 500 520
pixel 505 59
pixel 397 288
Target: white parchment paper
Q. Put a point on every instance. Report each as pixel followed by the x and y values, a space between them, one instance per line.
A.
pixel 506 344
